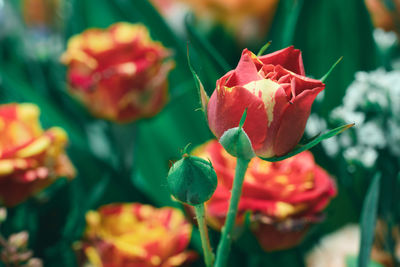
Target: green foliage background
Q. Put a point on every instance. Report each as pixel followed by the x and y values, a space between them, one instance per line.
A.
pixel 323 29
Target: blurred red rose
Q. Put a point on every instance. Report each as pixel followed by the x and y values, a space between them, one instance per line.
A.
pixel 284 197
pixel 30 158
pixel 137 235
pixel 276 93
pixel 119 73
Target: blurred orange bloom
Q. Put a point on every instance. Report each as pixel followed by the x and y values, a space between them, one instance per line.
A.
pixel 245 17
pixel 30 158
pixel 137 235
pixel 383 16
pixel 119 73
pixel 40 12
pixel 284 197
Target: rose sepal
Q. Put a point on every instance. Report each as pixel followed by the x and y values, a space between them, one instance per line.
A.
pixel 236 142
pixel 204 98
pixel 323 78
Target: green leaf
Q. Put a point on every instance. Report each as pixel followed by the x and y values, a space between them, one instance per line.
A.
pixel 285 23
pixel 304 147
pixel 368 221
pixel 351 261
pixel 390 5
pixel 206 48
pixel 324 32
pixel 330 70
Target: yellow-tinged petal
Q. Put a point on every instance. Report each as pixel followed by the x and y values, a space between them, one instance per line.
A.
pixel 35 148
pixel 139 233
pixel 6 167
pixel 59 134
pixel 265 89
pixel 93 256
pixel 93 218
pixel 284 210
pixel 125 32
pixel 27 111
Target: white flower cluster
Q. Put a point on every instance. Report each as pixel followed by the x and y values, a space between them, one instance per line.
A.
pixel 372 102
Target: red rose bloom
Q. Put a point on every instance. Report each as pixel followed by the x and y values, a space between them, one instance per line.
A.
pixel 119 73
pixel 136 235
pixel 277 95
pixel 30 158
pixel 283 197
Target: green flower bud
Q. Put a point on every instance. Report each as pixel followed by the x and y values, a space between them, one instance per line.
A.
pixel 192 180
pixel 237 143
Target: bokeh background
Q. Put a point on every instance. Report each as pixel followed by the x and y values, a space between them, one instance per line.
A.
pixel 129 162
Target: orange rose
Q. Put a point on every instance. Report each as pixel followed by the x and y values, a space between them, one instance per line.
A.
pixel 30 158
pixel 383 17
pixel 248 18
pixel 284 197
pixel 119 73
pixel 41 12
pixel 137 235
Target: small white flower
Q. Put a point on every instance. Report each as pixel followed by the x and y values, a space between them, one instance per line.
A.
pixel 394 137
pixel 366 155
pixel 315 125
pixel 345 139
pixel 331 146
pixel 384 39
pixel 371 134
pixel 347 116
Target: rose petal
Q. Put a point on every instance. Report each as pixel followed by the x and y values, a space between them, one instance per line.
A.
pixel 289 58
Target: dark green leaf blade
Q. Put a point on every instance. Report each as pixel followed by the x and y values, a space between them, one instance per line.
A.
pixel 368 221
pixel 206 48
pixel 312 143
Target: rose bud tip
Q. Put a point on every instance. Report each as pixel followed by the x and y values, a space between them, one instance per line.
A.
pixel 237 143
pixel 192 180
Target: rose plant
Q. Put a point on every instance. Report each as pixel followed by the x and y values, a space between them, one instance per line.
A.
pixel 284 197
pixel 261 109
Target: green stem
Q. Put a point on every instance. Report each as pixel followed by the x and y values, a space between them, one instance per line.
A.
pixel 205 241
pixel 226 238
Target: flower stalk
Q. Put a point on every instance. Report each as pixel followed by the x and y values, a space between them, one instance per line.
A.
pixel 205 241
pixel 226 238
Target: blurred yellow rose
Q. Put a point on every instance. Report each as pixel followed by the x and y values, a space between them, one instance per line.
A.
pixel 137 235
pixel 30 158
